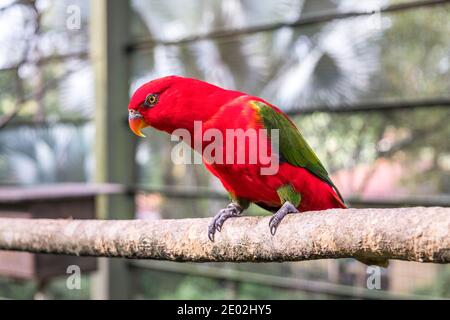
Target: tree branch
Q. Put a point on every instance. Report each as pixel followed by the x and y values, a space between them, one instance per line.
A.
pixel 413 234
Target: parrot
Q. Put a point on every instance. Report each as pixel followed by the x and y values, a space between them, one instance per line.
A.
pixel 301 182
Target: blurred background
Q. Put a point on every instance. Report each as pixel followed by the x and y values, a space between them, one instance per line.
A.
pixel 367 83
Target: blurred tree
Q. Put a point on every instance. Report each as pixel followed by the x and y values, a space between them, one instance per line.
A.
pixel 44 71
pixel 47 155
pixel 440 287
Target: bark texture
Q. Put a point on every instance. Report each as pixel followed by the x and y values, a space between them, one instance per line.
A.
pixel 413 234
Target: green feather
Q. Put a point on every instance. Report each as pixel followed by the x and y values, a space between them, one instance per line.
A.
pixel 292 146
pixel 287 193
pixel 243 203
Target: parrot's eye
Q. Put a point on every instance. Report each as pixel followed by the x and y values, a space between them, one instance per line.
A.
pixel 151 100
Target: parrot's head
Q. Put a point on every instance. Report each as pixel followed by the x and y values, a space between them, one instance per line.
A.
pixel 149 104
pixel 174 102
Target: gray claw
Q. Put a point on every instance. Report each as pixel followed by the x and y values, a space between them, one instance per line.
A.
pixel 275 220
pixel 211 234
pixel 232 210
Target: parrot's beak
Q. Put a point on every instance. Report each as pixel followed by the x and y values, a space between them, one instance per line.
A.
pixel 136 122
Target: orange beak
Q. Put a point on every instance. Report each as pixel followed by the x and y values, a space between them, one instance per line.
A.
pixel 136 122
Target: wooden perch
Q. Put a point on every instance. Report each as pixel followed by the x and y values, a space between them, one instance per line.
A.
pixel 413 234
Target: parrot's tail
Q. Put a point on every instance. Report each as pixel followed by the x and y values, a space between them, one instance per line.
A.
pixel 338 199
pixel 337 195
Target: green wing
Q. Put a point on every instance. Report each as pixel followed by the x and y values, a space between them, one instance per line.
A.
pixel 293 147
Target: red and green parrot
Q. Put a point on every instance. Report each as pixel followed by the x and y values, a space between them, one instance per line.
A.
pixel 301 182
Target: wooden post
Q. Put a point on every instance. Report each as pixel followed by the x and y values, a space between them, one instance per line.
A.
pixel 114 145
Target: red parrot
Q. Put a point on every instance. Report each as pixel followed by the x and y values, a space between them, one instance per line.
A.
pixel 301 182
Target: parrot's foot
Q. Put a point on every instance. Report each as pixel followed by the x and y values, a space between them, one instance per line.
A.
pixel 280 214
pixel 232 210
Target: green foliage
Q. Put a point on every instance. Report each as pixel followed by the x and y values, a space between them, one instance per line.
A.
pixel 16 289
pixel 257 292
pixel 195 288
pixel 440 286
pixel 56 289
pixel 198 288
pixel 415 54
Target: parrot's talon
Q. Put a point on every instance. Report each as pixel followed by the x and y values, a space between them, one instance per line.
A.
pixel 271 219
pixel 273 229
pixel 275 220
pixel 211 232
pixel 232 210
